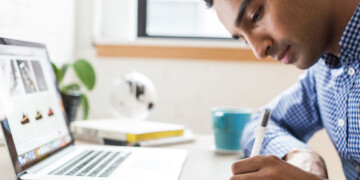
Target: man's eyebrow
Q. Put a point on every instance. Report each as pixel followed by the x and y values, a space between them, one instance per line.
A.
pixel 242 10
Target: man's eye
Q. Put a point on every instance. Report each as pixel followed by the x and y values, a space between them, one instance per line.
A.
pixel 256 16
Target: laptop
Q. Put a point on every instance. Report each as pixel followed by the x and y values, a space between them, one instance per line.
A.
pixel 38 137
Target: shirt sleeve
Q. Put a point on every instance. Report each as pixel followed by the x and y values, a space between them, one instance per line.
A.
pixel 295 118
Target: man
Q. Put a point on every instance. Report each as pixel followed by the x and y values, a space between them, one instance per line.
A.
pixel 322 36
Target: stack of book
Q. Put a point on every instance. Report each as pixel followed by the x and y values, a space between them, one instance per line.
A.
pixel 2 139
pixel 131 133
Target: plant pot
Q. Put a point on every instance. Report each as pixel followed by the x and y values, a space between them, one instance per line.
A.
pixel 71 103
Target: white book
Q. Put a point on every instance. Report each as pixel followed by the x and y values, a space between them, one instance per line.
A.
pixel 2 139
pixel 126 130
pixel 188 136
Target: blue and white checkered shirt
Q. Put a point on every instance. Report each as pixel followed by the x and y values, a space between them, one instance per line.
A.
pixel 326 96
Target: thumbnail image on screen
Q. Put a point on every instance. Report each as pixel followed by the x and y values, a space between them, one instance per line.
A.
pixel 39 75
pixel 26 76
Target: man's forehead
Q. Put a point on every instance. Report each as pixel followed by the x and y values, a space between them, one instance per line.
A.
pixel 227 5
pixel 227 11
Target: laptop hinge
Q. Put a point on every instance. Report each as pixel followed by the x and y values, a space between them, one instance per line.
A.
pixel 20 174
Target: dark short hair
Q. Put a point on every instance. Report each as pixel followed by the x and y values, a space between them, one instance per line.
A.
pixel 209 3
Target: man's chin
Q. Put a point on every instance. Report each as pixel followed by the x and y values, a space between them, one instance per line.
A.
pixel 303 64
pixel 302 67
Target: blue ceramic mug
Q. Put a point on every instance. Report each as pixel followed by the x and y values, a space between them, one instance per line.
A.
pixel 228 125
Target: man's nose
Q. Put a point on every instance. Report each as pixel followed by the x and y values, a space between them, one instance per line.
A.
pixel 261 47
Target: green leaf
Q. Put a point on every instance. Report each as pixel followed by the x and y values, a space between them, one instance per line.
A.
pixel 71 87
pixel 57 72
pixel 85 73
pixel 85 106
pixel 63 69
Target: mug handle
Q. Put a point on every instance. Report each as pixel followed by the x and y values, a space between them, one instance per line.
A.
pixel 218 124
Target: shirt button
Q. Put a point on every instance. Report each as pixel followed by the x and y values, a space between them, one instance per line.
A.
pixel 351 71
pixel 341 122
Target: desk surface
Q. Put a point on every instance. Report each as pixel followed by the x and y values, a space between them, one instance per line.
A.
pixel 201 163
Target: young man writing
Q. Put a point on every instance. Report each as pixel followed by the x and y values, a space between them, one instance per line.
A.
pixel 322 36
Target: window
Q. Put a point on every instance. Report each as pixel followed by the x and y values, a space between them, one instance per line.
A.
pixel 178 18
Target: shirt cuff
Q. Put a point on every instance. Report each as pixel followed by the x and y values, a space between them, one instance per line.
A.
pixel 281 145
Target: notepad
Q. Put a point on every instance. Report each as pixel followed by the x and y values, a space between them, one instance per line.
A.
pixel 127 130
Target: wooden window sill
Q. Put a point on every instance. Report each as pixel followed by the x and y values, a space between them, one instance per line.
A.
pixel 174 51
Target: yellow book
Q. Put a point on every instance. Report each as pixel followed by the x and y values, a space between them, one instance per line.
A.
pixel 153 135
pixel 126 130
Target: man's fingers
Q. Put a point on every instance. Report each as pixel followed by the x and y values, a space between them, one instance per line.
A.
pixel 270 168
pixel 247 165
pixel 247 176
pixel 253 164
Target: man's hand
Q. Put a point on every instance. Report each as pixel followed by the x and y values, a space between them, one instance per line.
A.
pixel 307 160
pixel 269 167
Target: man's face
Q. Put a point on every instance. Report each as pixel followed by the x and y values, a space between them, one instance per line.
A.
pixel 291 31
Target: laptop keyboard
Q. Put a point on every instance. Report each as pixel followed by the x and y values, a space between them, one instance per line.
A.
pixel 68 165
pixel 101 167
pixel 113 166
pixel 92 164
pixel 87 170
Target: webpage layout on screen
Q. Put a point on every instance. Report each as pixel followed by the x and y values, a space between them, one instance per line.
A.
pixel 30 102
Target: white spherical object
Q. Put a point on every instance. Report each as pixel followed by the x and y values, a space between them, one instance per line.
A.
pixel 133 96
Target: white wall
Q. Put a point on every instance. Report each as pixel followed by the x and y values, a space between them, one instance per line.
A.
pixel 187 89
pixel 123 28
pixel 46 21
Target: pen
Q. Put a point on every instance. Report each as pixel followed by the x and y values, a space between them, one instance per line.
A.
pixel 264 119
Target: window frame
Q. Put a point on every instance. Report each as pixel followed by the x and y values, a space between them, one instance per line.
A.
pixel 142 23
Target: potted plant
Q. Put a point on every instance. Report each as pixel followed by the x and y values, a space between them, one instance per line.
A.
pixel 71 94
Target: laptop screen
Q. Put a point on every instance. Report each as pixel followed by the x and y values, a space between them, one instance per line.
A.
pixel 31 108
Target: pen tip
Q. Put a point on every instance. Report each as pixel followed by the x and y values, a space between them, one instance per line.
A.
pixel 266 117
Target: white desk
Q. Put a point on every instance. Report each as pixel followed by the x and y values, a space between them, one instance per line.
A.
pixel 201 163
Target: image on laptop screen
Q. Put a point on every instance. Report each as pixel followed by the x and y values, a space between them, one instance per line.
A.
pixel 30 102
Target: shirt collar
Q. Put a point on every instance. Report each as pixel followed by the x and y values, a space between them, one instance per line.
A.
pixel 331 60
pixel 350 39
